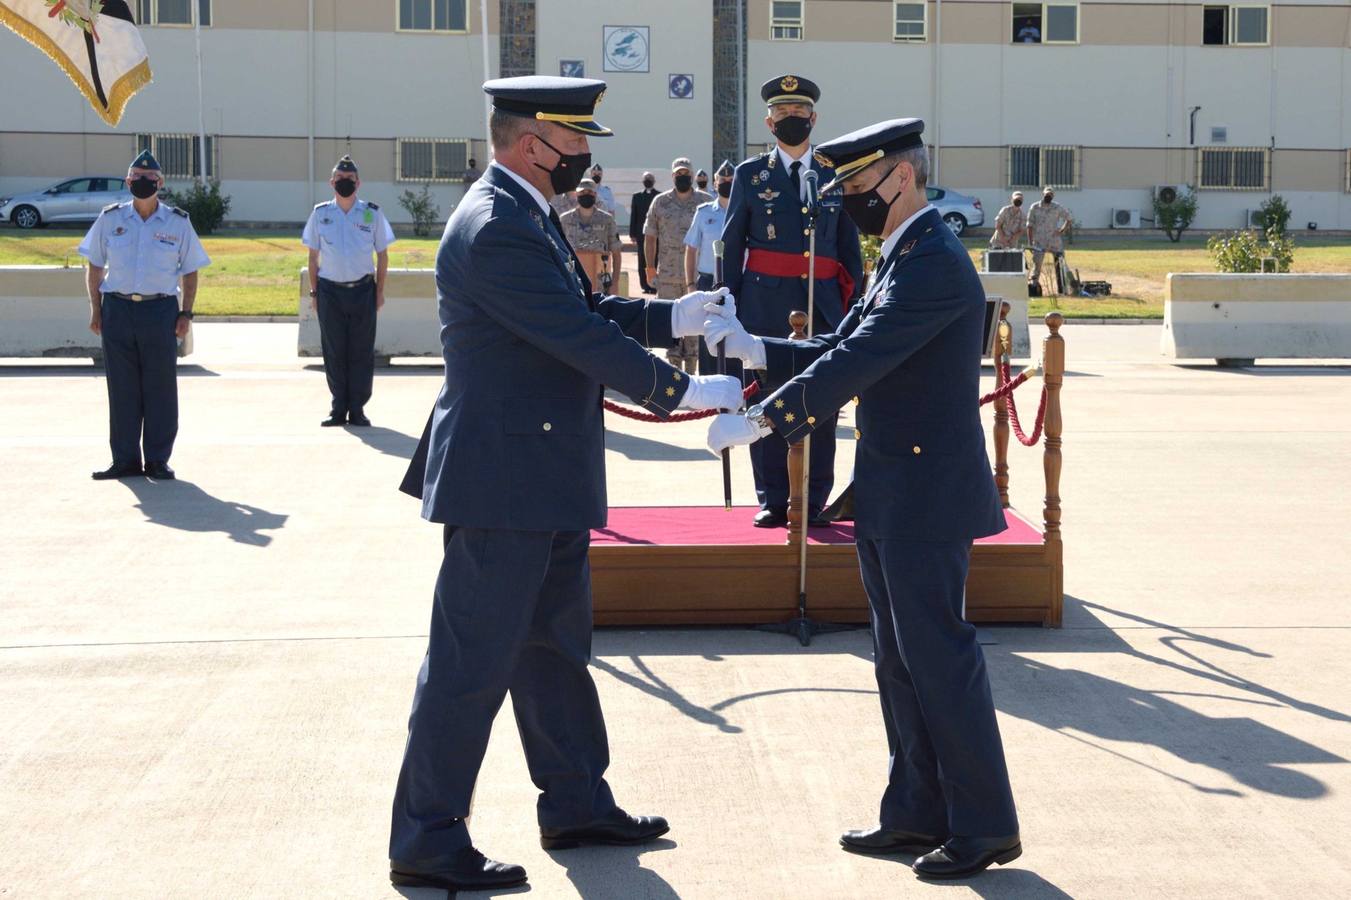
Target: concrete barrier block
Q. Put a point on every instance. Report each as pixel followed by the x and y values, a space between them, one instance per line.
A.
pixel 1246 317
pixel 44 312
pixel 407 326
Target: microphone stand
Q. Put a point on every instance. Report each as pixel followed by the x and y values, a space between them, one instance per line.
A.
pixel 719 280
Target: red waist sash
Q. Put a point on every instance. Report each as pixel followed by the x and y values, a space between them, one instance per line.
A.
pixel 794 265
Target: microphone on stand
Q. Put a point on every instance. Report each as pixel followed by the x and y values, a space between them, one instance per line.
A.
pixel 812 190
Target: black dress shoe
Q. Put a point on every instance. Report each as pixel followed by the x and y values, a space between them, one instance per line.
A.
pixel 469 870
pixel 125 470
pixel 771 518
pixel 359 419
pixel 819 520
pixel 617 828
pixel 883 841
pixel 334 419
pixel 963 856
pixel 159 470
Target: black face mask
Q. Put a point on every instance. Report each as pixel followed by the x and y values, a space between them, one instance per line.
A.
pixel 868 210
pixel 586 201
pixel 724 188
pixel 344 187
pixel 648 185
pixel 569 171
pixel 683 183
pixel 703 184
pixel 1018 202
pixel 596 178
pixel 793 130
pixel 144 187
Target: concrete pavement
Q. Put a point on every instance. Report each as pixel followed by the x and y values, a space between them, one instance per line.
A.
pixel 204 684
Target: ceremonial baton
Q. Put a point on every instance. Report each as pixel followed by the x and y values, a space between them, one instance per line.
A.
pixel 719 281
pixel 813 202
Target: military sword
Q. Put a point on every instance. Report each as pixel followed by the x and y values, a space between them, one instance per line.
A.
pixel 719 281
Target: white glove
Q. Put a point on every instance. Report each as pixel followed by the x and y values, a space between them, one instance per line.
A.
pixel 730 430
pixel 712 392
pixel 723 325
pixel 687 313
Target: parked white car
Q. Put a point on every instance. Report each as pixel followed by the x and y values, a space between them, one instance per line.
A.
pixel 959 211
pixel 76 200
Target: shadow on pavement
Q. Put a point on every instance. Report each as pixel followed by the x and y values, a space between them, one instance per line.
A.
pixel 88 370
pixel 1004 883
pixel 1271 370
pixel 615 873
pixel 649 450
pixel 386 440
pixel 183 505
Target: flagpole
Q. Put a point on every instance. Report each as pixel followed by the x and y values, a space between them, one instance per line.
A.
pixel 201 111
pixel 487 76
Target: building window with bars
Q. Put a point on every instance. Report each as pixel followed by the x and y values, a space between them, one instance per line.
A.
pixel 180 155
pixel 909 22
pixel 432 159
pixel 1233 168
pixel 1037 167
pixel 1233 25
pixel 1045 23
pixel 785 20
pixel 171 12
pixel 434 15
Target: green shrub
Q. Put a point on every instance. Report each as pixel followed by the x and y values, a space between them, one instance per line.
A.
pixel 1176 217
pixel 1275 214
pixel 205 205
pixel 1242 251
pixel 425 213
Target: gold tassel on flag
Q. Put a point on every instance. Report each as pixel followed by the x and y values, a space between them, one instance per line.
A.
pixel 95 42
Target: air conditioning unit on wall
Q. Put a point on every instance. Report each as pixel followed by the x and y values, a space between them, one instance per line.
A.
pixel 1168 194
pixel 1254 219
pixel 1125 218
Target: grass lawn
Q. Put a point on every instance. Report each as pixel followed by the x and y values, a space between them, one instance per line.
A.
pixel 256 273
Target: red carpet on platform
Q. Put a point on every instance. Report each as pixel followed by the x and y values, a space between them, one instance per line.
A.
pixel 714 526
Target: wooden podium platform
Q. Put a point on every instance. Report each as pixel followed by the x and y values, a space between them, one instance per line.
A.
pixel 709 566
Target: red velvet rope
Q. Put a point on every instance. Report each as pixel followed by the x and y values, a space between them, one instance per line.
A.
pixel 1023 439
pixel 751 390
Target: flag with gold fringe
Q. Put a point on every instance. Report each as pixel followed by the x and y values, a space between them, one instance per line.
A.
pixel 95 42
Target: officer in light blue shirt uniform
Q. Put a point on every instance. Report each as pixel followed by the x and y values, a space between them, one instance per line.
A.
pixel 348 240
pixel 706 227
pixel 138 251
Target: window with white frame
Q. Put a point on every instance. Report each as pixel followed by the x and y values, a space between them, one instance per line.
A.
pixel 1233 168
pixel 179 155
pixel 171 12
pixel 785 20
pixel 909 21
pixel 1037 166
pixel 1235 25
pixel 1046 23
pixel 434 15
pixel 432 159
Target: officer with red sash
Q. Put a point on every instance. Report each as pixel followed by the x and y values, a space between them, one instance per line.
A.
pixel 766 252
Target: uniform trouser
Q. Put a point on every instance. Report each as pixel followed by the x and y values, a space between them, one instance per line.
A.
pixel 642 262
pixel 140 359
pixel 769 466
pixel 947 772
pixel 1037 258
pixel 347 335
pixel 512 614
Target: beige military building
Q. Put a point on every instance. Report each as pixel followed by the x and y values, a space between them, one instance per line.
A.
pixel 1108 101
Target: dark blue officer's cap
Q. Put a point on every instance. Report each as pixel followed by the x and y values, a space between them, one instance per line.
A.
pixel 571 102
pixel 789 89
pixel 726 170
pixel 855 151
pixel 346 164
pixel 145 161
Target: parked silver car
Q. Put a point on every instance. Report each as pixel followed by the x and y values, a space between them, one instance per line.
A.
pixel 959 211
pixel 76 200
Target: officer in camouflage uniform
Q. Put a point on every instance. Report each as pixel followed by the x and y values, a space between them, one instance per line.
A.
pixel 588 227
pixel 668 220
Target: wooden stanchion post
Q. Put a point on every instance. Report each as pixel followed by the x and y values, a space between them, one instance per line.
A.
pixel 1053 372
pixel 1003 350
pixel 797 503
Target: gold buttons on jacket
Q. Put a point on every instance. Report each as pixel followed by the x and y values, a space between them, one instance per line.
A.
pixel 806 253
pixel 915 450
pixel 548 426
pixel 811 420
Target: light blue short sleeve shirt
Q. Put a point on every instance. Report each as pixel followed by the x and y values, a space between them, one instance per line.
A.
pixel 347 241
pixel 705 228
pixel 143 256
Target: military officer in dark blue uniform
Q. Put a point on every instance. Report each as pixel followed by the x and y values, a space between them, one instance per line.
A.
pixel 766 251
pixel 910 350
pixel 513 465
pixel 139 252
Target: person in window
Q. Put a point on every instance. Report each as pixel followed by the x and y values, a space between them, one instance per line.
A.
pixel 1028 33
pixel 473 173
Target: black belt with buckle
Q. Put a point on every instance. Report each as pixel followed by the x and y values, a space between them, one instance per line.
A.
pixel 349 284
pixel 137 298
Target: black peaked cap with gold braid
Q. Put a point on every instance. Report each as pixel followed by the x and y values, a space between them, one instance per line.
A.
pixel 570 102
pixel 789 89
pixel 852 153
